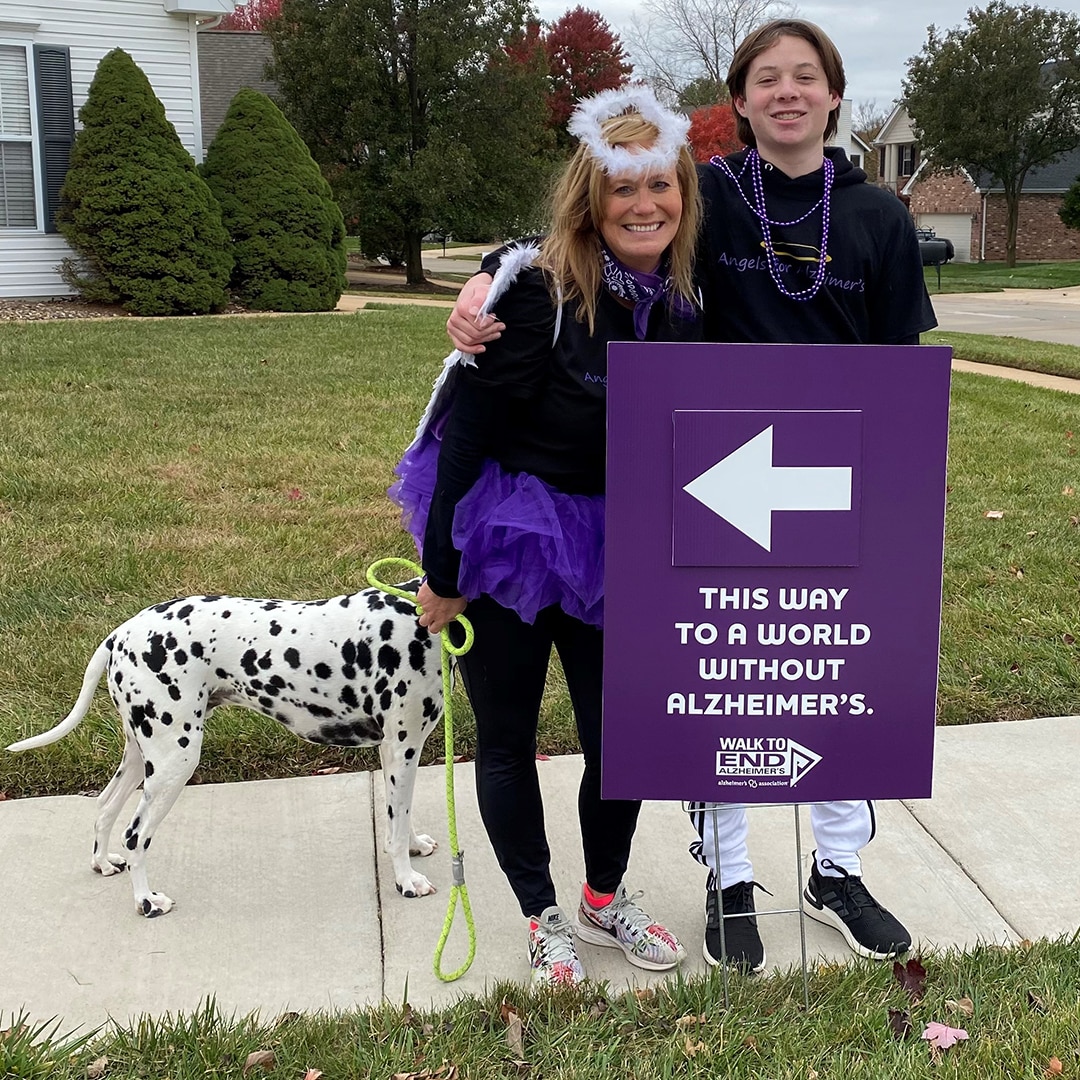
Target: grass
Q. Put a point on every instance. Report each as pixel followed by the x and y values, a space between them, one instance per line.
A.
pixel 1024 1002
pixel 1043 356
pixel 994 276
pixel 145 460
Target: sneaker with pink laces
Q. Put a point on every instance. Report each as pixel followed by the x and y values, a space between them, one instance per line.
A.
pixel 552 952
pixel 622 924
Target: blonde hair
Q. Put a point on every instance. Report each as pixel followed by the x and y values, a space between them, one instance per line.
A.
pixel 571 253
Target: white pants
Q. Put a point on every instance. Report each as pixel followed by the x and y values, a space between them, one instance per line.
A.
pixel 840 829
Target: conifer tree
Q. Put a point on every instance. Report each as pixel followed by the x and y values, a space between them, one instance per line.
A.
pixel 288 236
pixel 144 224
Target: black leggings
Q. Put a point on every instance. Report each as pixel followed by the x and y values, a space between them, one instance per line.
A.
pixel 504 676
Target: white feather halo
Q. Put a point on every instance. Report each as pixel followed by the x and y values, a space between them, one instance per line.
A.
pixel 589 115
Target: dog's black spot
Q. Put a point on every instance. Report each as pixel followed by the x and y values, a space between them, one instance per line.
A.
pixel 278 681
pixel 132 842
pixel 149 769
pixel 146 906
pixel 164 678
pixel 150 709
pixel 348 672
pixel 170 643
pixel 226 614
pixel 344 601
pixel 166 718
pixel 416 656
pixel 410 754
pixel 431 707
pixel 292 658
pixel 389 659
pixel 390 811
pixel 183 741
pixel 180 657
pixel 369 703
pixel 271 605
pixel 323 671
pixel 386 699
pixel 266 702
pixel 319 710
pixel 146 842
pixel 221 673
pixel 401 689
pixel 402 735
pixel 348 697
pixel 393 780
pixel 348 651
pixel 265 661
pixel 275 628
pixel 155 656
pixel 109 642
pixel 386 631
pixel 401 605
pixel 174 692
pixel 375 602
pixel 249 662
pixel 187 727
pixel 363 656
pixel 118 678
pixel 197 649
pixel 185 612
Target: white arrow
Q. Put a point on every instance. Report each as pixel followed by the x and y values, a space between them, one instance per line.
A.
pixel 745 488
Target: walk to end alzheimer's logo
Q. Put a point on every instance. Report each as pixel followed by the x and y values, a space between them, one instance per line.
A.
pixel 763 762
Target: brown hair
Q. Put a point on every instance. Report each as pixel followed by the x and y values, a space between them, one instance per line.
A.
pixel 765 37
pixel 571 251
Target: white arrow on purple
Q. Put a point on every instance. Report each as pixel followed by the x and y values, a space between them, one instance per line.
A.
pixel 745 488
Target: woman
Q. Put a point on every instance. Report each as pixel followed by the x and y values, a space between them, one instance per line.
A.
pixel 512 525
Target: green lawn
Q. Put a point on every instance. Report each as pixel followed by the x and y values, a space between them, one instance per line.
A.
pixel 993 277
pixel 1020 1009
pixel 146 460
pixel 1044 356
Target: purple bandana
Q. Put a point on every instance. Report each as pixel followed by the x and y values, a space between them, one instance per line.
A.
pixel 642 290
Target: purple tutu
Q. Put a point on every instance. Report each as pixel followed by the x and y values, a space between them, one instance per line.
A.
pixel 522 542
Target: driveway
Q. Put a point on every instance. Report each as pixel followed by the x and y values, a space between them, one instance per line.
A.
pixel 1040 314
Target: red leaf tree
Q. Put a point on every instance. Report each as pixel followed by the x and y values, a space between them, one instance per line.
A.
pixel 252 15
pixel 712 131
pixel 584 57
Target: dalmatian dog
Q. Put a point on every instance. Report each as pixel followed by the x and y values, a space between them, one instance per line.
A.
pixel 354 670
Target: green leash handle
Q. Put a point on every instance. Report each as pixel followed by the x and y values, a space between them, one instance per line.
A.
pixel 458 891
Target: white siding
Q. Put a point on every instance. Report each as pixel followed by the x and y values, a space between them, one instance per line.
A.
pixel 162 44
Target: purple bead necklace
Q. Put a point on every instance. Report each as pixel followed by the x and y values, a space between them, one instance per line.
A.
pixel 757 208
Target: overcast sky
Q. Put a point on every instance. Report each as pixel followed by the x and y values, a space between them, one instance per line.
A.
pixel 875 37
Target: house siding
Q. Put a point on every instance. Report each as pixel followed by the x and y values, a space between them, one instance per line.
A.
pixel 162 44
pixel 1040 233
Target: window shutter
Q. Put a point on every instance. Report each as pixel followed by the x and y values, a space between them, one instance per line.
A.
pixel 56 121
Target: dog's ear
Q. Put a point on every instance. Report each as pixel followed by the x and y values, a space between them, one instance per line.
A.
pixel 411 586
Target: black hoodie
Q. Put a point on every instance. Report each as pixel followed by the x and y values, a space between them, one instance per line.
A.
pixel 873 291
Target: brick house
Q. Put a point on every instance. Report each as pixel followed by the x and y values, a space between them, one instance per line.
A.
pixel 970 211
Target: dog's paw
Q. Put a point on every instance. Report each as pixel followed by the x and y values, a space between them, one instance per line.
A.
pixel 112 864
pixel 421 844
pixel 416 885
pixel 154 905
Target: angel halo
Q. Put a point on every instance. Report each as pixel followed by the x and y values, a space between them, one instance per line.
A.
pixel 586 123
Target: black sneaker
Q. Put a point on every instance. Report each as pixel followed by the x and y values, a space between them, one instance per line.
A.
pixel 845 904
pixel 744 949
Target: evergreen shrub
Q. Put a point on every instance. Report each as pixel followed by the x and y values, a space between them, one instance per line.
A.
pixel 144 224
pixel 288 236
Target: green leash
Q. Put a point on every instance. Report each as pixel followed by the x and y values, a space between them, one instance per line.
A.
pixel 457 857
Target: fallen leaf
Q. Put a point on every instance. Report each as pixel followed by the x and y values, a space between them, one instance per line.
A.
pixel 295 495
pixel 812 1075
pixel 1074 520
pixel 259 1059
pixel 644 993
pixel 3 796
pixel 994 514
pixel 900 1023
pixel 1068 639
pixel 542 757
pixel 313 1074
pixel 1068 489
pixel 329 770
pixel 1054 1067
pixel 287 1018
pixel 97 1068
pixel 693 1048
pixel 962 1005
pixel 1025 944
pixel 1068 434
pixel 750 1042
pixel 941 1036
pixel 598 1008
pixel 1016 571
pixel 1014 667
pixel 406 1013
pixel 1036 1003
pixel 911 977
pixel 515 1030
pixel 689 1020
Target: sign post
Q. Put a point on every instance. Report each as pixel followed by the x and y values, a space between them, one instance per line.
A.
pixel 775 521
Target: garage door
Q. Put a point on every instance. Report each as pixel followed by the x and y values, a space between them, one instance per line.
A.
pixel 954 227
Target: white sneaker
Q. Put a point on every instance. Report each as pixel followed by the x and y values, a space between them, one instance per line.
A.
pixel 552 953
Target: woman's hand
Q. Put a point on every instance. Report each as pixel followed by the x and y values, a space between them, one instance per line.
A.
pixel 467 330
pixel 438 611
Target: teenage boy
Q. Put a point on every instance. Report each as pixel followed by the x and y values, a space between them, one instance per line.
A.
pixel 796 247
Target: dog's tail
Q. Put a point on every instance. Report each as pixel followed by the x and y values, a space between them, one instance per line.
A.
pixel 89 685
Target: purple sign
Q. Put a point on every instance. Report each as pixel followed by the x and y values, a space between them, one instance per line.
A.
pixel 775 519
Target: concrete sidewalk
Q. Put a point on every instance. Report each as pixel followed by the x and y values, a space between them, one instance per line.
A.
pixel 285 899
